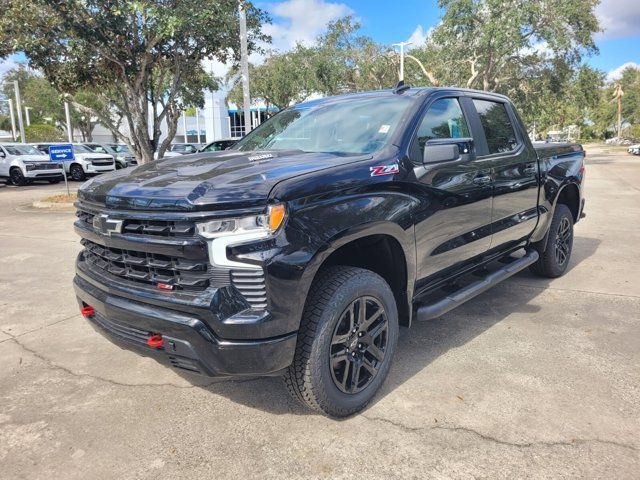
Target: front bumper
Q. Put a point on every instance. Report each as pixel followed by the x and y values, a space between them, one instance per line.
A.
pixel 89 169
pixel 189 344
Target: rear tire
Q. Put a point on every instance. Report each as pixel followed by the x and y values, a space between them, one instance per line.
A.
pixel 555 258
pixel 17 177
pixel 77 173
pixel 346 341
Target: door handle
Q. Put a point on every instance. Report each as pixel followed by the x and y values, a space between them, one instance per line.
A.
pixel 482 180
pixel 530 169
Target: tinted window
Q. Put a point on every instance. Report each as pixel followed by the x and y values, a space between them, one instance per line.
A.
pixel 497 126
pixel 444 119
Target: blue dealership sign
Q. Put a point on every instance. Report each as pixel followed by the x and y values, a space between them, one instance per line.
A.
pixel 61 153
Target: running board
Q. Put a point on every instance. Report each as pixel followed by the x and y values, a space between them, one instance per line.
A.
pixel 457 298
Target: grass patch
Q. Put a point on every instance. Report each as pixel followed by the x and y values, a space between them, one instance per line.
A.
pixel 61 198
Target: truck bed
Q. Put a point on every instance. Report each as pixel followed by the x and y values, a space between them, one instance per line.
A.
pixel 555 149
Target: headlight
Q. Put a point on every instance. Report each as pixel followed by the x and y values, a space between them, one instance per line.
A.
pixel 258 225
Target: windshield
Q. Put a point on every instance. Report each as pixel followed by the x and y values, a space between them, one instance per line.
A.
pixel 81 149
pixel 22 150
pixel 120 148
pixel 350 125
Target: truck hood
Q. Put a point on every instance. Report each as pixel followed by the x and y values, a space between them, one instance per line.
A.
pixel 93 156
pixel 206 181
pixel 33 158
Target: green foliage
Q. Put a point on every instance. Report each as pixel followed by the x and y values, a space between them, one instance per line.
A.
pixel 43 133
pixel 142 58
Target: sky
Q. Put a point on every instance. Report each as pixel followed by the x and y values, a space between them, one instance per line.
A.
pixel 388 22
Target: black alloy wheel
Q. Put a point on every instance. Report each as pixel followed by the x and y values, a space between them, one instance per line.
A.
pixel 77 173
pixel 563 241
pixel 17 177
pixel 359 345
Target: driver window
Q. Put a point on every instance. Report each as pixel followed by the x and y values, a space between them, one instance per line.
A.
pixel 444 119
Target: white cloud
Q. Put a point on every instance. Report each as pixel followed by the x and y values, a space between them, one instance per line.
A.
pixel 616 73
pixel 419 37
pixel 301 21
pixel 619 18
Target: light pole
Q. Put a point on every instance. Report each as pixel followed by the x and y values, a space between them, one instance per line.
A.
pixel 244 62
pixel 198 122
pixel 184 125
pixel 401 45
pixel 67 114
pixel 26 115
pixel 16 90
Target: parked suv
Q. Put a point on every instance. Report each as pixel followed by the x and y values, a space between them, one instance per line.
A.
pixel 86 163
pixel 302 249
pixel 119 152
pixel 21 164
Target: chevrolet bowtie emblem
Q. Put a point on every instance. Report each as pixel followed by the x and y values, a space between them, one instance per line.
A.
pixel 105 225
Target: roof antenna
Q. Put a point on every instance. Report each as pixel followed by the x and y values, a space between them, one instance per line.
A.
pixel 400 87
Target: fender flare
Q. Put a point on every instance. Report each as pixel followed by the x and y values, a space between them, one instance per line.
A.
pixel 405 238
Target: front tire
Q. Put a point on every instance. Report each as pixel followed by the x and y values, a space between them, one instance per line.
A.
pixel 346 341
pixel 77 173
pixel 555 258
pixel 17 177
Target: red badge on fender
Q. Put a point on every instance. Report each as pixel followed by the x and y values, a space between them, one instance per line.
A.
pixel 384 170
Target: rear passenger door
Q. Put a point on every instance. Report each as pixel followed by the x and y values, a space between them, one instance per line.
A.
pixel 502 145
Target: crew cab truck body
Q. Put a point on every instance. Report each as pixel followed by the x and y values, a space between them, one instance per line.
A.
pixel 22 164
pixel 86 162
pixel 304 247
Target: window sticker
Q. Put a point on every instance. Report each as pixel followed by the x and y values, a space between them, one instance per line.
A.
pixel 384 128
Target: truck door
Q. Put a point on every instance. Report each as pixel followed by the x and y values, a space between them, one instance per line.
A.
pixel 452 224
pixel 514 166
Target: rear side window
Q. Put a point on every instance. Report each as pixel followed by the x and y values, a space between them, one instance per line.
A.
pixel 497 126
pixel 444 119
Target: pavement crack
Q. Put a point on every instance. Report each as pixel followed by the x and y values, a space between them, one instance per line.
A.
pixel 70 372
pixel 488 438
pixel 12 337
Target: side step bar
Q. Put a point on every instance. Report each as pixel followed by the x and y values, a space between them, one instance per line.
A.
pixel 455 299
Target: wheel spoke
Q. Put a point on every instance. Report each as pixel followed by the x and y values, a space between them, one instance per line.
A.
pixel 339 357
pixel 372 319
pixel 377 330
pixel 355 376
pixel 347 366
pixel 376 352
pixel 369 366
pixel 362 310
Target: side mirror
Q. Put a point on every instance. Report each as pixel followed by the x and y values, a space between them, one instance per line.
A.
pixel 440 153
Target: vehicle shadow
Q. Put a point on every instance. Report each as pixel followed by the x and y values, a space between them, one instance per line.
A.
pixel 419 345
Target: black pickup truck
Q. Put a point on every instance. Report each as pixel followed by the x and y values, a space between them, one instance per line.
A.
pixel 301 250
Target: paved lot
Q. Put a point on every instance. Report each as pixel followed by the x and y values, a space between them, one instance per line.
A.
pixel 535 379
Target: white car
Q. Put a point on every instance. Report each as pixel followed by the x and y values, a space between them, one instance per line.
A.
pixel 86 163
pixel 21 164
pixel 634 149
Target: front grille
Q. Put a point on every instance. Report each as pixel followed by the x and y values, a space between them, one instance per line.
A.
pixel 187 272
pixel 250 283
pixel 102 162
pixel 148 268
pixel 46 166
pixel 147 227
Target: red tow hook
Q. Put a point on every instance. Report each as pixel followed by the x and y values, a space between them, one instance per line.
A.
pixel 87 311
pixel 155 341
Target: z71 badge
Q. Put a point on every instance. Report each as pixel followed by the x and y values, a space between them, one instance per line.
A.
pixel 384 170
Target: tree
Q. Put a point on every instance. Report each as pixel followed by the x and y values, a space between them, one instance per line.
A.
pixel 144 57
pixel 487 43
